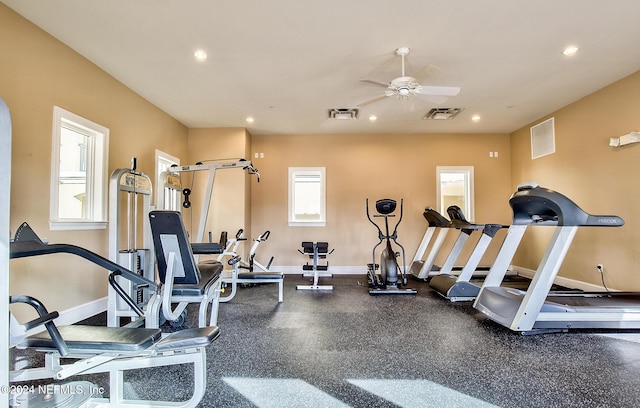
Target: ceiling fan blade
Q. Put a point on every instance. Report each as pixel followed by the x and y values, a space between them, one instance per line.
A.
pixel 437 90
pixel 436 99
pixel 374 82
pixel 424 72
pixel 370 101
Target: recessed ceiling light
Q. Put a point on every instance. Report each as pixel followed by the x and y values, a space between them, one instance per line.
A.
pixel 249 119
pixel 373 118
pixel 570 50
pixel 200 55
pixel 475 118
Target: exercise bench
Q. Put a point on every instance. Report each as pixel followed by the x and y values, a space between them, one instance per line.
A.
pixel 316 251
pixel 78 350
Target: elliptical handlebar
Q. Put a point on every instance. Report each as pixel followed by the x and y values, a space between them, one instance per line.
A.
pixel 380 235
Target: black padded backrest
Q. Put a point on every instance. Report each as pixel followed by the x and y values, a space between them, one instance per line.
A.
pixel 169 235
pixel 323 247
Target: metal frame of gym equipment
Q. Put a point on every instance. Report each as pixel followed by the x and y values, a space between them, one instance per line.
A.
pixel 173 191
pixel 172 184
pixel 136 185
pixel 98 349
pixel 234 276
pixel 458 287
pixel 5 204
pixel 423 268
pixel 388 283
pixel 536 310
pixel 427 268
pixel 315 251
pixel 183 280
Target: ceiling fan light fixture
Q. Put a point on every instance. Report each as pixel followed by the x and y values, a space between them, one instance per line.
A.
pixel 343 113
pixel 442 113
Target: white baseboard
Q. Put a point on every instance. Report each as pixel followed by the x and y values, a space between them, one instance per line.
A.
pixel 566 282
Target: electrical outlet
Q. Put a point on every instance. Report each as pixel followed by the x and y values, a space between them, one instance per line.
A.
pixel 600 268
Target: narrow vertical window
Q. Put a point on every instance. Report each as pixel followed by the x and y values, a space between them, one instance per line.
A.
pixel 455 187
pixel 78 172
pixel 168 195
pixel 307 206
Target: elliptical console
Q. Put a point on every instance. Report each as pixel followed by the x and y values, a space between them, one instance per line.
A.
pixel 391 276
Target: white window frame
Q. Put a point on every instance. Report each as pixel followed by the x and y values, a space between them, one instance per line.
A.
pixel 97 169
pixel 469 212
pixel 293 221
pixel 162 157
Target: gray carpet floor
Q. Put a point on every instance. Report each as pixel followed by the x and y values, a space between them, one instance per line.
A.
pixel 345 348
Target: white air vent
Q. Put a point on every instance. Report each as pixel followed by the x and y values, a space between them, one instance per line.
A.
pixel 442 113
pixel 543 139
pixel 343 114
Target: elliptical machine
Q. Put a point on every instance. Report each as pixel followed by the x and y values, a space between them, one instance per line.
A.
pixel 391 276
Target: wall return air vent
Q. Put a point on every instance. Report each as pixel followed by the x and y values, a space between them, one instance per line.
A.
pixel 442 113
pixel 343 114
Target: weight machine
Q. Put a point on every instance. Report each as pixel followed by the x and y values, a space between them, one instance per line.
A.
pixel 173 191
pixel 127 187
pixel 316 251
pixel 235 276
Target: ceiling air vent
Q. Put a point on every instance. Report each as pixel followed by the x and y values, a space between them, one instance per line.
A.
pixel 442 113
pixel 343 114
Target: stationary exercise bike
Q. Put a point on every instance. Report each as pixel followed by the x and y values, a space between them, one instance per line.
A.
pixel 391 276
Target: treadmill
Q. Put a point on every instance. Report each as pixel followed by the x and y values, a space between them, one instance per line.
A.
pixel 536 310
pixel 459 287
pixel 421 269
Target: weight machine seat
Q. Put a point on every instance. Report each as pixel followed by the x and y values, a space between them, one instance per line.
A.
pixel 210 272
pixel 207 248
pixel 260 275
pixel 82 339
pixel 307 247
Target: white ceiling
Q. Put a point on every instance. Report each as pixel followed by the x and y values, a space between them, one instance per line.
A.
pixel 286 62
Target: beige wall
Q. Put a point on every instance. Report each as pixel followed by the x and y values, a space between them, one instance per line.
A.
pixel 371 166
pixel 36 73
pixel 597 177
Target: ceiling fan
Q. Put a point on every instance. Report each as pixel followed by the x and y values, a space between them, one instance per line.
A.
pixel 405 86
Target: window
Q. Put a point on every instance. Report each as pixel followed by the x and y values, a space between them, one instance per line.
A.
pixel 78 173
pixel 455 187
pixel 166 198
pixel 307 205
